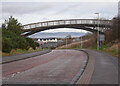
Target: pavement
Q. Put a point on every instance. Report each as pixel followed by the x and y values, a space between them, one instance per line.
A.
pixel 7 59
pixel 105 68
pixel 56 67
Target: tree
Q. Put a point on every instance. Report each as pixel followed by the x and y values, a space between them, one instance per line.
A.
pixel 3 26
pixel 113 33
pixel 11 38
pixel 7 45
pixel 13 25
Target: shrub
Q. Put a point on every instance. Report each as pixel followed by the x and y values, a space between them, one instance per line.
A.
pixel 7 45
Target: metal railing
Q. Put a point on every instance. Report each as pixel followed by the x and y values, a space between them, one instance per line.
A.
pixel 67 22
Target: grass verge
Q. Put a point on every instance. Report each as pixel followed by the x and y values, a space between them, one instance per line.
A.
pixel 104 48
pixel 20 51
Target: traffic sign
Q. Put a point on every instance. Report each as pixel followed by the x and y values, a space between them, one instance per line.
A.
pixel 102 38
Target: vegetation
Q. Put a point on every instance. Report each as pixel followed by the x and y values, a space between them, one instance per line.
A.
pixel 112 34
pixel 112 41
pixel 110 45
pixel 19 51
pixel 12 39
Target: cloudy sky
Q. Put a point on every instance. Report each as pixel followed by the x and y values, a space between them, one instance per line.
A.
pixel 32 12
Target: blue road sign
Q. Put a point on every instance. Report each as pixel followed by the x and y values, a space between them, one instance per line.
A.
pixel 102 38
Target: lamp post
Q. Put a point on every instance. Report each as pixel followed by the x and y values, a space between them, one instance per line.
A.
pixel 81 42
pixel 66 42
pixel 98 32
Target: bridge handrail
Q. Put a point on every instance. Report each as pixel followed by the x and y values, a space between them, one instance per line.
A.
pixel 65 22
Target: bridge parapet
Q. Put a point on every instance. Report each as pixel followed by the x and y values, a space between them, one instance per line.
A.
pixel 93 22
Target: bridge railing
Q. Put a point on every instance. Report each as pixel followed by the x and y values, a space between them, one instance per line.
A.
pixel 67 22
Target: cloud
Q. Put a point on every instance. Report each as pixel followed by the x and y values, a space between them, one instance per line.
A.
pixel 30 12
pixel 24 7
pixel 83 8
pixel 59 0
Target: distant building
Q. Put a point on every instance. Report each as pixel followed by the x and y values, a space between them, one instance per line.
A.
pixel 47 42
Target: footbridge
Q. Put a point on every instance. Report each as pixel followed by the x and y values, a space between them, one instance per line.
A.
pixel 84 24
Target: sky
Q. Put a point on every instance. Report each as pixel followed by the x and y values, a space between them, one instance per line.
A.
pixel 38 11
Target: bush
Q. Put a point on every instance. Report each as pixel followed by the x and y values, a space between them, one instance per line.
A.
pixel 7 45
pixel 22 43
pixel 12 41
pixel 31 43
pixel 36 44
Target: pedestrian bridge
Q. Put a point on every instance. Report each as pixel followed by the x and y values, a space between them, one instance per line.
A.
pixel 84 24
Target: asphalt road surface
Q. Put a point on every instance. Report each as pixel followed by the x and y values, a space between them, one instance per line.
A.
pixel 105 68
pixel 56 67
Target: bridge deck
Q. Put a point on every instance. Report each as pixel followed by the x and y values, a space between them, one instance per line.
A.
pixel 67 22
pixel 85 24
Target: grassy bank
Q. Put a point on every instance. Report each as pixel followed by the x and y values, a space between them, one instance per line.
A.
pixel 110 49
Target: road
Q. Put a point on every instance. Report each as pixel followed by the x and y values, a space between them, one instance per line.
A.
pixel 64 67
pixel 56 67
pixel 105 68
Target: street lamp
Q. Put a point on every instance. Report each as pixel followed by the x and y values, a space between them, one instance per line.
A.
pixel 98 33
pixel 66 42
pixel 81 40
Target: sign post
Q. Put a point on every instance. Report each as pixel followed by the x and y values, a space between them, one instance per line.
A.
pixel 101 39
